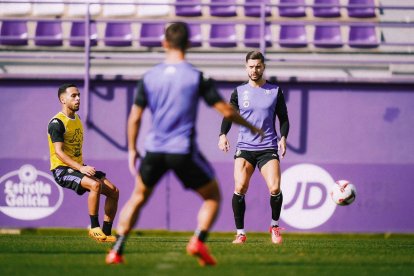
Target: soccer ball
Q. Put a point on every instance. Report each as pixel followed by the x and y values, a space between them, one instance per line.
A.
pixel 343 192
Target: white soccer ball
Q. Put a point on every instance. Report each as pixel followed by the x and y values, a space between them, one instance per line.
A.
pixel 343 192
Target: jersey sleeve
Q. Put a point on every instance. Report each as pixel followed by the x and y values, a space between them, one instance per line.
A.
pixel 226 124
pixel 141 96
pixel 56 130
pixel 209 91
pixel 282 114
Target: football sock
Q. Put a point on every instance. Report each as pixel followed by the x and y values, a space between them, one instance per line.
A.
pixel 276 205
pixel 94 221
pixel 201 235
pixel 119 244
pixel 241 232
pixel 274 223
pixel 239 208
pixel 107 227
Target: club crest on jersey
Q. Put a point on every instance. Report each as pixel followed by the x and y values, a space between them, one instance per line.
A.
pixel 246 104
pixel 268 92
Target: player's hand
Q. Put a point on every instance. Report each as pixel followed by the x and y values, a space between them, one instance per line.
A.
pixel 281 146
pixel 133 155
pixel 223 143
pixel 88 170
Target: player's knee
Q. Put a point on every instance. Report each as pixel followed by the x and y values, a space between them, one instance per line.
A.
pixel 274 190
pixel 96 186
pixel 241 189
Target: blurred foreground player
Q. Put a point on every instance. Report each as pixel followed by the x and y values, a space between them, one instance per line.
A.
pixel 65 136
pixel 171 90
pixel 259 102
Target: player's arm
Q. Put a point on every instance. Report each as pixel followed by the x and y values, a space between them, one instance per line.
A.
pixel 56 131
pixel 134 125
pixel 223 143
pixel 282 115
pixel 213 98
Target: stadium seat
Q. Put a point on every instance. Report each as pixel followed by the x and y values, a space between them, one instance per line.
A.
pixel 293 11
pixel 292 36
pixel 225 10
pixel 188 10
pixel 363 36
pixel 52 9
pixel 255 11
pixel 13 33
pixel 252 36
pixel 153 10
pixel 151 34
pixel 223 35
pixel 79 10
pixel 118 10
pixel 328 36
pixel 361 12
pixel 118 34
pixel 16 9
pixel 195 35
pixel 77 34
pixel 48 33
pixel 326 11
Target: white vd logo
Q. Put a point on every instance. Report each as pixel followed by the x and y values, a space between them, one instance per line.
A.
pixel 306 196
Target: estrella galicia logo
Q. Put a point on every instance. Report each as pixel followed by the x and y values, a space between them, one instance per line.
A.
pixel 29 194
pixel 306 196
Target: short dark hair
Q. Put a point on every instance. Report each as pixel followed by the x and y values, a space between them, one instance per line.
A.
pixel 63 87
pixel 177 35
pixel 255 55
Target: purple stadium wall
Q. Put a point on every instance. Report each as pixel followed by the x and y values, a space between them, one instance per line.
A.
pixel 359 132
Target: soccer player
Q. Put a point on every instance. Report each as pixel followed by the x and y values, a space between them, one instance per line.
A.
pixel 171 90
pixel 65 136
pixel 259 102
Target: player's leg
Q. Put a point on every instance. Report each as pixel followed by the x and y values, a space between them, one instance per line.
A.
pixel 80 183
pixel 131 210
pixel 207 215
pixel 243 170
pixel 111 205
pixel 195 173
pixel 152 168
pixel 94 186
pixel 128 218
pixel 271 173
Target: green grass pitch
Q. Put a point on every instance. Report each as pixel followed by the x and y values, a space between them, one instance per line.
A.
pixel 72 252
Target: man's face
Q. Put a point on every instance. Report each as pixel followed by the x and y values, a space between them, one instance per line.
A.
pixel 255 69
pixel 71 99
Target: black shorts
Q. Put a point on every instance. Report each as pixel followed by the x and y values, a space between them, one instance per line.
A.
pixel 192 169
pixel 69 178
pixel 259 157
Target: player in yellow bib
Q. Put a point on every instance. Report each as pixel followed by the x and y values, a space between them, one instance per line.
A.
pixel 65 136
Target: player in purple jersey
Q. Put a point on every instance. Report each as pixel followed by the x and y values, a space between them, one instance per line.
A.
pixel 171 90
pixel 259 102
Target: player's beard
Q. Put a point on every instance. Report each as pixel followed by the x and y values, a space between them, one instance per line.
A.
pixel 257 78
pixel 75 107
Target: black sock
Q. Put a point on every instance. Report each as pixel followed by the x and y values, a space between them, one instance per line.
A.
pixel 239 208
pixel 276 205
pixel 201 235
pixel 119 244
pixel 107 227
pixel 94 221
